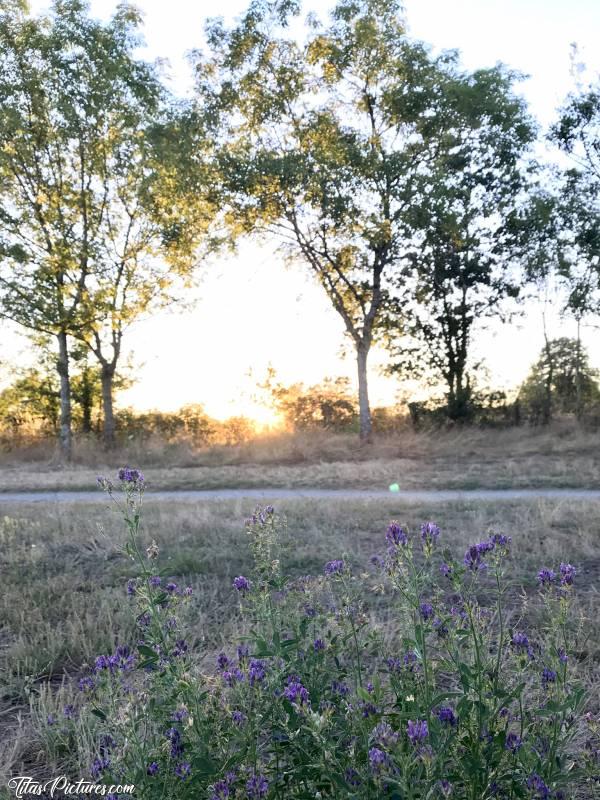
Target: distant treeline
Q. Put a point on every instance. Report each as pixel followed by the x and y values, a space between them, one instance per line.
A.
pixel 560 383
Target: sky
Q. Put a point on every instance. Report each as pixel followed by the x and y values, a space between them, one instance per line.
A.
pixel 252 311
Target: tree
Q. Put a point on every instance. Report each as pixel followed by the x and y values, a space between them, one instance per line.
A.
pixel 85 214
pixel 461 263
pixel 561 381
pixel 320 143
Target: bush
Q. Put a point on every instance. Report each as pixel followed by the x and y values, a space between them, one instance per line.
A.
pixel 309 704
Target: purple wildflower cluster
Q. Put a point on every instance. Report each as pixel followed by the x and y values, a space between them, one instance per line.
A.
pixel 446 716
pixel 396 536
pixel 241 584
pixel 564 577
pixel 520 643
pixel 257 671
pixel 409 663
pixel 539 790
pixel 430 533
pixel 224 788
pixel 417 731
pixel 379 760
pixel 260 517
pixel 384 735
pixel 257 786
pixel 122 659
pixel 297 694
pixel 335 567
pixel 133 477
pixel 474 557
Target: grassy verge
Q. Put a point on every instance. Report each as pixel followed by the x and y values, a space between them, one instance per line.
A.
pixel 62 581
pixel 518 458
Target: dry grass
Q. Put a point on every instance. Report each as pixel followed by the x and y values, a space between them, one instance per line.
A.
pixel 562 456
pixel 62 577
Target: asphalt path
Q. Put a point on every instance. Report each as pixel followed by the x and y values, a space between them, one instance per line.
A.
pixel 266 494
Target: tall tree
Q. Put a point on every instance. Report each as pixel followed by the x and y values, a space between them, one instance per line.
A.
pixel 461 262
pixel 321 141
pixel 84 212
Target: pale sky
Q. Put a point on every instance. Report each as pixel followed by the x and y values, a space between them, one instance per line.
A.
pixel 251 310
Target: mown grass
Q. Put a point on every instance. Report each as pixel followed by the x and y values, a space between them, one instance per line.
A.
pixel 561 456
pixel 62 582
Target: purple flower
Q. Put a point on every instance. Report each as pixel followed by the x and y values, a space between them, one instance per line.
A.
pixel 188 591
pixel 50 719
pixel 520 643
pixel 378 759
pixel 243 651
pixel 352 777
pixel 562 656
pixel 131 584
pixel 152 768
pixel 501 541
pixel 171 588
pixel 238 718
pixel 384 735
pixel 134 477
pixel 257 787
pixel 221 790
pixel 445 787
pixel 395 535
pixel 426 611
pixel 100 663
pixel 256 672
pixel 368 710
pixel 86 684
pixel 513 742
pixel 474 556
pixel 241 584
pixel 155 581
pixel 429 533
pixel 180 714
pixel 183 770
pixel 446 570
pixel 548 676
pixel 335 567
pixel 417 731
pixel 447 716
pixel 297 694
pixel 222 661
pixel 537 787
pixel 231 677
pixel 180 648
pixel 98 767
pixel 174 737
pixel 122 659
pixel 69 712
pixel 340 688
pixel 546 577
pixel 318 645
pixel 567 573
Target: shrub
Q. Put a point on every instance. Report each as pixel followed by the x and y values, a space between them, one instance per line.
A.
pixel 309 704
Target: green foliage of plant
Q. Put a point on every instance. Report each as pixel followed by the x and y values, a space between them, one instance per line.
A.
pixel 312 704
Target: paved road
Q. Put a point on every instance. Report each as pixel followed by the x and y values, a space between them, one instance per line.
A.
pixel 268 495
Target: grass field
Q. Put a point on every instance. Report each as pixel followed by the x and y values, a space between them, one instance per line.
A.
pixel 62 583
pixel 561 456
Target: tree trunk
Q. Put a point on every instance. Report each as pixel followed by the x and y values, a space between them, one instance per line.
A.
pixel 362 354
pixel 107 377
pixel 87 400
pixel 62 366
pixel 578 387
